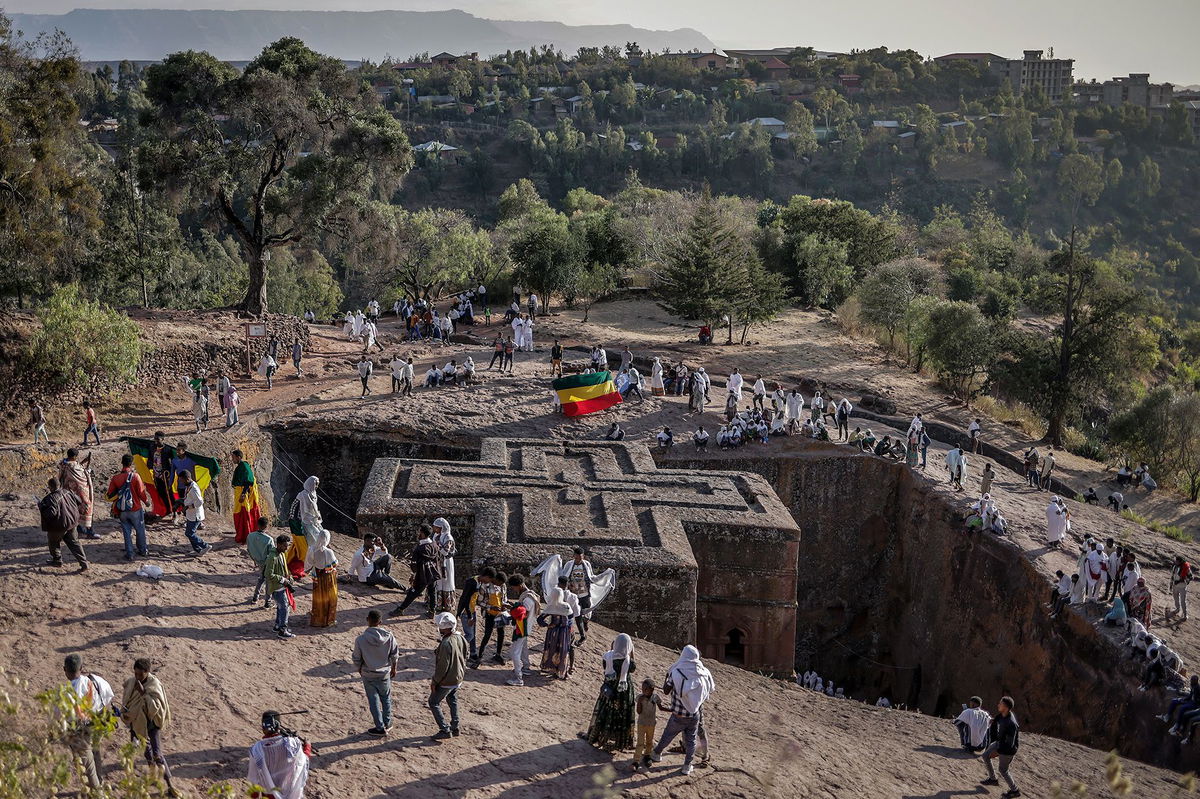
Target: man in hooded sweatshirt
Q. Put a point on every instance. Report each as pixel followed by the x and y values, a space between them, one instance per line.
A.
pixel 376 657
pixel 688 686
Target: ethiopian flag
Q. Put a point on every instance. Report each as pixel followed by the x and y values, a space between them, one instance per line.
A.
pixel 202 467
pixel 580 394
pixel 245 502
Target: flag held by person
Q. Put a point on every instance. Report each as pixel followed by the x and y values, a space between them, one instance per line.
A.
pixel 586 393
pixel 203 469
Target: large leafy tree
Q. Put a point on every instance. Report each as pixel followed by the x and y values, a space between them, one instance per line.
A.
pixel 286 152
pixel 47 200
pixel 887 294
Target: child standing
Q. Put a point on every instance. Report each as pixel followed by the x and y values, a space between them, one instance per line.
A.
pixel 648 703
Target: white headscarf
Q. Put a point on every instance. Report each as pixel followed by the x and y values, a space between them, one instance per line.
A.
pixel 446 621
pixel 320 554
pixel 310 514
pixel 692 680
pixel 622 649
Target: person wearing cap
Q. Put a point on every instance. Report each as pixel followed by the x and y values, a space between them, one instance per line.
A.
pixel 95 696
pixel 376 657
pixel 279 762
pixel 449 671
pixel 973 725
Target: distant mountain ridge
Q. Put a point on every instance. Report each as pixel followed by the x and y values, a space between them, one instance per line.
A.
pixel 151 34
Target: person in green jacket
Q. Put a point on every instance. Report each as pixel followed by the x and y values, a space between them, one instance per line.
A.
pixel 279 581
pixel 450 668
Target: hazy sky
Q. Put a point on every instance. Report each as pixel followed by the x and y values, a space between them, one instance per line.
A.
pixel 1105 37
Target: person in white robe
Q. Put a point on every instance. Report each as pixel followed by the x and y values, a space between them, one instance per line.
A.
pixel 795 407
pixel 444 538
pixel 359 321
pixel 759 394
pixel 734 385
pixel 1056 523
pixel 311 522
pixel 916 425
pixel 657 385
pixel 348 327
pixel 1095 565
pixel 518 329
pixel 528 335
pixel 368 335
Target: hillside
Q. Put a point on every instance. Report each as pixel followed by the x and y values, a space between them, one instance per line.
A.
pixel 151 34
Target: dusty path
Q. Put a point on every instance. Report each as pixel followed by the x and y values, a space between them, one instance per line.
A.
pixel 222 666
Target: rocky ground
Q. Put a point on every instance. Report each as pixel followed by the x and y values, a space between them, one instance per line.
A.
pixel 222 666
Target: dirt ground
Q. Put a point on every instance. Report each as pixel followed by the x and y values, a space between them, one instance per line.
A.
pixel 222 666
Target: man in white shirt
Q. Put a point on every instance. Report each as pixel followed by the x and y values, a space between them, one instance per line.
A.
pixel 973 431
pixel 759 392
pixel 372 564
pixel 95 694
pixel 817 407
pixel 279 762
pixel 193 511
pixel 956 462
pixel 973 724
pixel 433 377
pixel 1095 565
pixel 734 385
pixel 365 369
pixel 402 375
pixel 1061 593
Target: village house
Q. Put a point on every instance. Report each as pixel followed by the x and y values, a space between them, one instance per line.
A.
pixel 707 60
pixel 437 151
pixel 446 60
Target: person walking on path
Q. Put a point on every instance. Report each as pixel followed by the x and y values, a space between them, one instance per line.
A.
pixel 279 583
pixel 365 368
pixel 449 671
pixel 376 656
pixel 129 499
pixel 1004 737
pixel 193 511
pixel 37 421
pixel 297 356
pixel 145 709
pixel 75 475
pixel 689 683
pixel 95 697
pixel 89 419
pixel 60 513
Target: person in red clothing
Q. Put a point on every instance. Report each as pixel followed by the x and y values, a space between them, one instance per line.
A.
pixel 93 428
pixel 1181 577
pixel 129 497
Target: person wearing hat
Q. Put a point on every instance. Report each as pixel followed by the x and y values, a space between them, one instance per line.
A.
pixel 973 725
pixel 449 670
pixel 279 762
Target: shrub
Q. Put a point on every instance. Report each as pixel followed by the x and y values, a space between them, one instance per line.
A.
pixel 82 343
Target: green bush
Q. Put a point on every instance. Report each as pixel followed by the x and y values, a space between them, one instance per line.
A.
pixel 83 343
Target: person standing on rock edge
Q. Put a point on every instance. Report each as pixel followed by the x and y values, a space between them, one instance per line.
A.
pixel 260 546
pixel 449 671
pixel 365 368
pixel 376 657
pixel 1181 577
pixel 507 361
pixel 37 421
pixel 973 724
pixel 956 462
pixel 974 431
pixel 1004 736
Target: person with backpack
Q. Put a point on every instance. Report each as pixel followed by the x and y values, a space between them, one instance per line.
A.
pixel 60 514
pixel 95 700
pixel 129 498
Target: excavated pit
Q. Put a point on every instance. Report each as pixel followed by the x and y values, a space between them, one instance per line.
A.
pixel 892 598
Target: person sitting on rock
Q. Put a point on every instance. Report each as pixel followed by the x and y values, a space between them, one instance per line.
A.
pixel 433 377
pixel 615 433
pixel 700 439
pixel 1090 496
pixel 665 438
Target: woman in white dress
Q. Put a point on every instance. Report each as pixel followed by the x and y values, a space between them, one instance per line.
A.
pixel 445 542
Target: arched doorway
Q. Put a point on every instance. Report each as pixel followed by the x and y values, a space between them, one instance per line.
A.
pixel 735 648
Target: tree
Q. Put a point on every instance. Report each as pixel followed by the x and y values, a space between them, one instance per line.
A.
pixel 1185 414
pixel 520 199
pixel 289 150
pixel 1146 430
pixel 1080 182
pixel 823 275
pixel 1095 307
pixel 47 200
pixel 545 254
pixel 83 344
pixel 765 296
pixel 888 292
pixel 961 343
pixel 1146 179
pixel 801 135
pixel 706 270
pixel 589 285
pixel 425 251
pixel 481 171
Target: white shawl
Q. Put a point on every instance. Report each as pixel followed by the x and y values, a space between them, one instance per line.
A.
pixel 691 679
pixel 622 649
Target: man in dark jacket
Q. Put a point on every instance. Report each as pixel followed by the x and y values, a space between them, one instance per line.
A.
pixel 1004 735
pixel 449 670
pixel 427 570
pixel 60 516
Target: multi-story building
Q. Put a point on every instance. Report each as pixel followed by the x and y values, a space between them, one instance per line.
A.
pixel 1137 90
pixel 984 61
pixel 1052 75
